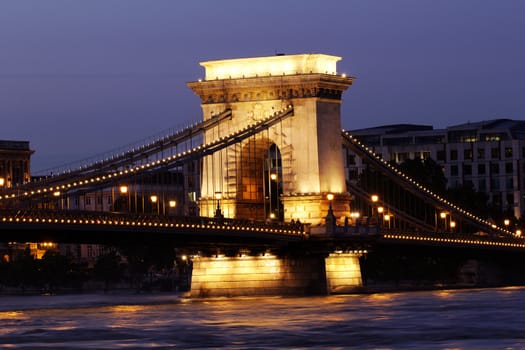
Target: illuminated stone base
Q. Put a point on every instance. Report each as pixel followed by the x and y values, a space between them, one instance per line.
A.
pixel 343 273
pixel 313 209
pixel 260 275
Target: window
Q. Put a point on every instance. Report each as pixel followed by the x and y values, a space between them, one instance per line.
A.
pixel 401 157
pixel 89 251
pixel 494 168
pixel 88 201
pixel 508 152
pixel 482 185
pixel 481 153
pixel 440 155
pixel 509 184
pixel 467 169
pixel 453 154
pixel 494 153
pixel 509 168
pixel 453 170
pixel 510 199
pixel 481 169
pixel 350 159
pixel 467 154
pixel 99 200
pixel 494 184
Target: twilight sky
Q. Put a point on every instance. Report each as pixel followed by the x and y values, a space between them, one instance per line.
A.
pixel 79 78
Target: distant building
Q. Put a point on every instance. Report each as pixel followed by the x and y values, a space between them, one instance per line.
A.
pixel 487 155
pixel 15 162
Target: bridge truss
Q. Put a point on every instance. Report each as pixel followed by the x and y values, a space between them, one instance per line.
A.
pixel 412 208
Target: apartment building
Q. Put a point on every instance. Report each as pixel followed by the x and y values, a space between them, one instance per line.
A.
pixel 487 155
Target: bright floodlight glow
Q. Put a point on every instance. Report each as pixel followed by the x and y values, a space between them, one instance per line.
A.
pixel 330 196
pixel 271 65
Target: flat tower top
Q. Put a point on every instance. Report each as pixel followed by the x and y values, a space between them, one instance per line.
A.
pixel 271 65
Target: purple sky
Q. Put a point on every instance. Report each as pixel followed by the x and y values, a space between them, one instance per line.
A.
pixel 78 78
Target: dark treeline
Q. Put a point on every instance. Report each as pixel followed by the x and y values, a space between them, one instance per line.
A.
pixel 127 267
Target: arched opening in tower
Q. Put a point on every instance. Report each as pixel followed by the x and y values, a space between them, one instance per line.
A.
pixel 273 184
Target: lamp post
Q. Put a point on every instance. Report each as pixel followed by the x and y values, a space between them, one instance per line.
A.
pixel 330 217
pixel 124 190
pixel 155 200
pixel 172 204
pixel 387 218
pixel 218 197
pixel 443 215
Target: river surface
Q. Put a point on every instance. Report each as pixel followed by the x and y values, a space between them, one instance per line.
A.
pixel 456 319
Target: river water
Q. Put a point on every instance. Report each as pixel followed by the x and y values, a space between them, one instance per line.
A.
pixel 455 319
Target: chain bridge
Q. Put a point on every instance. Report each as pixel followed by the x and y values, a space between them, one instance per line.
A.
pixel 257 192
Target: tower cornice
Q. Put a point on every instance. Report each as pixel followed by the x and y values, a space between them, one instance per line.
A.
pixel 271 88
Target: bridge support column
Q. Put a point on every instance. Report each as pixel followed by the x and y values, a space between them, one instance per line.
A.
pixel 343 273
pixel 257 275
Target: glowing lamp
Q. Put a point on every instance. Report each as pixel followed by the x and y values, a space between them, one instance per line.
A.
pixel 123 189
pixel 172 203
pixel 374 198
pixel 154 198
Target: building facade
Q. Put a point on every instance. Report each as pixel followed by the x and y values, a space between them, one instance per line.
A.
pixel 488 155
pixel 15 162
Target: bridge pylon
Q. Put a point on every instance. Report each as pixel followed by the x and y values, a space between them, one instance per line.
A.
pixel 285 172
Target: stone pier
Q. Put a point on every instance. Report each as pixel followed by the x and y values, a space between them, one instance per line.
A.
pixel 271 275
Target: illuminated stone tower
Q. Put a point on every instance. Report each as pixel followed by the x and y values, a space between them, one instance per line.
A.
pixel 285 172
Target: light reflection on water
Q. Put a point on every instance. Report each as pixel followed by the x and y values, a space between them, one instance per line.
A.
pixel 462 319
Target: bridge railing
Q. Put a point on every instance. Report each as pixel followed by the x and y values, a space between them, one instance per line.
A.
pixel 74 217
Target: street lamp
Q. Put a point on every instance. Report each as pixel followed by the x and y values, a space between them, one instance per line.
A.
pixel 452 225
pixel 155 200
pixel 443 215
pixel 330 217
pixel 2 182
pixel 330 197
pixel 518 233
pixel 218 197
pixel 506 222
pixel 387 218
pixel 124 190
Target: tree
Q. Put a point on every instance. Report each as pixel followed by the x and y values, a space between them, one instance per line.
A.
pixel 108 269
pixel 54 269
pixel 427 172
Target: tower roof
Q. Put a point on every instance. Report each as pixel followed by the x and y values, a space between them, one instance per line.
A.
pixel 270 65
